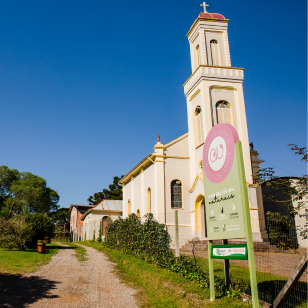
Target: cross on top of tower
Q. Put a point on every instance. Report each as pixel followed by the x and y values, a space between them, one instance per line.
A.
pixel 204 6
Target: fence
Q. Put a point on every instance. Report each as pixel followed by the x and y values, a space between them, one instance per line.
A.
pixel 88 231
pixel 277 252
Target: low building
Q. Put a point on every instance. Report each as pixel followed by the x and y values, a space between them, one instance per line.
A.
pixel 99 216
pixel 77 211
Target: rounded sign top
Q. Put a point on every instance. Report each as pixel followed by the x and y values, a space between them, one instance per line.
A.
pixel 218 152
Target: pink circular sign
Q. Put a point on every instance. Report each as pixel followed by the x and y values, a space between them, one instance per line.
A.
pixel 218 152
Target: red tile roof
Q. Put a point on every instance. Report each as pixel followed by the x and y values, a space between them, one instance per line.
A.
pixel 212 15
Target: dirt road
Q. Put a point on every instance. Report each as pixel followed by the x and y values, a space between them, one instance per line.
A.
pixel 67 282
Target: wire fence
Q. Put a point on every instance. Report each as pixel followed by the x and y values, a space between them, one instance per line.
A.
pixel 278 247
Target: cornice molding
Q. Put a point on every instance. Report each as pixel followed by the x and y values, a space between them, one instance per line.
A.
pixel 251 185
pixel 180 225
pixel 194 95
pixel 212 66
pixel 199 176
pixel 228 88
pixel 176 140
pixel 199 145
pixel 195 38
pixel 204 19
pixel 222 90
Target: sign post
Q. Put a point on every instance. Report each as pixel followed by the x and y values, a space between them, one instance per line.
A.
pixel 226 201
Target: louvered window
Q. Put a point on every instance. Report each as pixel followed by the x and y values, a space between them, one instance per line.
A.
pixel 215 53
pixel 223 110
pixel 198 55
pixel 199 125
pixel 176 194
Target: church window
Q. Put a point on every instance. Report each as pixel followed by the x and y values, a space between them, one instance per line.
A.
pixel 149 200
pixel 199 126
pixel 223 110
pixel 198 58
pixel 215 53
pixel 176 194
pixel 128 207
pixel 138 214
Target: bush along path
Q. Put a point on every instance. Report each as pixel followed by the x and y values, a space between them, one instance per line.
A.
pixel 150 241
pixel 68 282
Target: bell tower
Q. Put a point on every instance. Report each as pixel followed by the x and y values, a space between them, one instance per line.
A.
pixel 214 94
pixel 214 91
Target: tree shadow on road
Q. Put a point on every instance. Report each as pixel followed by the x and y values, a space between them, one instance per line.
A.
pixel 20 291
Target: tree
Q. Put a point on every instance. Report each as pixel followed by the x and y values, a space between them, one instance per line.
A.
pixel 7 177
pixel 25 193
pixel 294 190
pixel 42 227
pixel 15 232
pixel 61 218
pixel 113 193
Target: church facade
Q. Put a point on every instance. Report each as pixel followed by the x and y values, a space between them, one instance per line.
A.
pixel 170 178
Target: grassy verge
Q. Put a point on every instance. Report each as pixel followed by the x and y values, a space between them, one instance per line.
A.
pixel 21 262
pixel 240 272
pixel 158 287
pixel 80 252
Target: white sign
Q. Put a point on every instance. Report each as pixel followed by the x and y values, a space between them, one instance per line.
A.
pixel 217 153
pixel 225 252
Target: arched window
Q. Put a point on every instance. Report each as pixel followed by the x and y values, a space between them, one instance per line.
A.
pixel 198 56
pixel 138 214
pixel 199 126
pixel 128 207
pixel 223 110
pixel 176 194
pixel 215 53
pixel 149 200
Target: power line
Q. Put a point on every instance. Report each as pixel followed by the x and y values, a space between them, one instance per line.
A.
pixel 277 167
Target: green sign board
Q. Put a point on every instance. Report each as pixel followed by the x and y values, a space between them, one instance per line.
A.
pixel 222 191
pixel 226 201
pixel 236 252
pixel 223 204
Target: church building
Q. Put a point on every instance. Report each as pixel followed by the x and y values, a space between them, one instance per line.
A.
pixel 170 178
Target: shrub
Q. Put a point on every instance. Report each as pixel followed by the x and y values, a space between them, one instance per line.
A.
pixel 42 226
pixel 15 232
pixel 150 241
pixel 99 239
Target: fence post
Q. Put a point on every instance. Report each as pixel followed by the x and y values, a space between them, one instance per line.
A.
pixel 177 238
pixel 298 271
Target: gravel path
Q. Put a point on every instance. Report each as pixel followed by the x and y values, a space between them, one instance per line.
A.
pixel 67 282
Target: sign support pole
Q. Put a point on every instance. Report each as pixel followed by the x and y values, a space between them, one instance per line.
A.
pixel 211 271
pixel 247 225
pixel 227 268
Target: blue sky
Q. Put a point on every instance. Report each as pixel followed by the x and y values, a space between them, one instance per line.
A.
pixel 86 86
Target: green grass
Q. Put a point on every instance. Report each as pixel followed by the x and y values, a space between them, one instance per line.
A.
pixel 267 282
pixel 158 287
pixel 80 252
pixel 21 262
pixel 242 273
